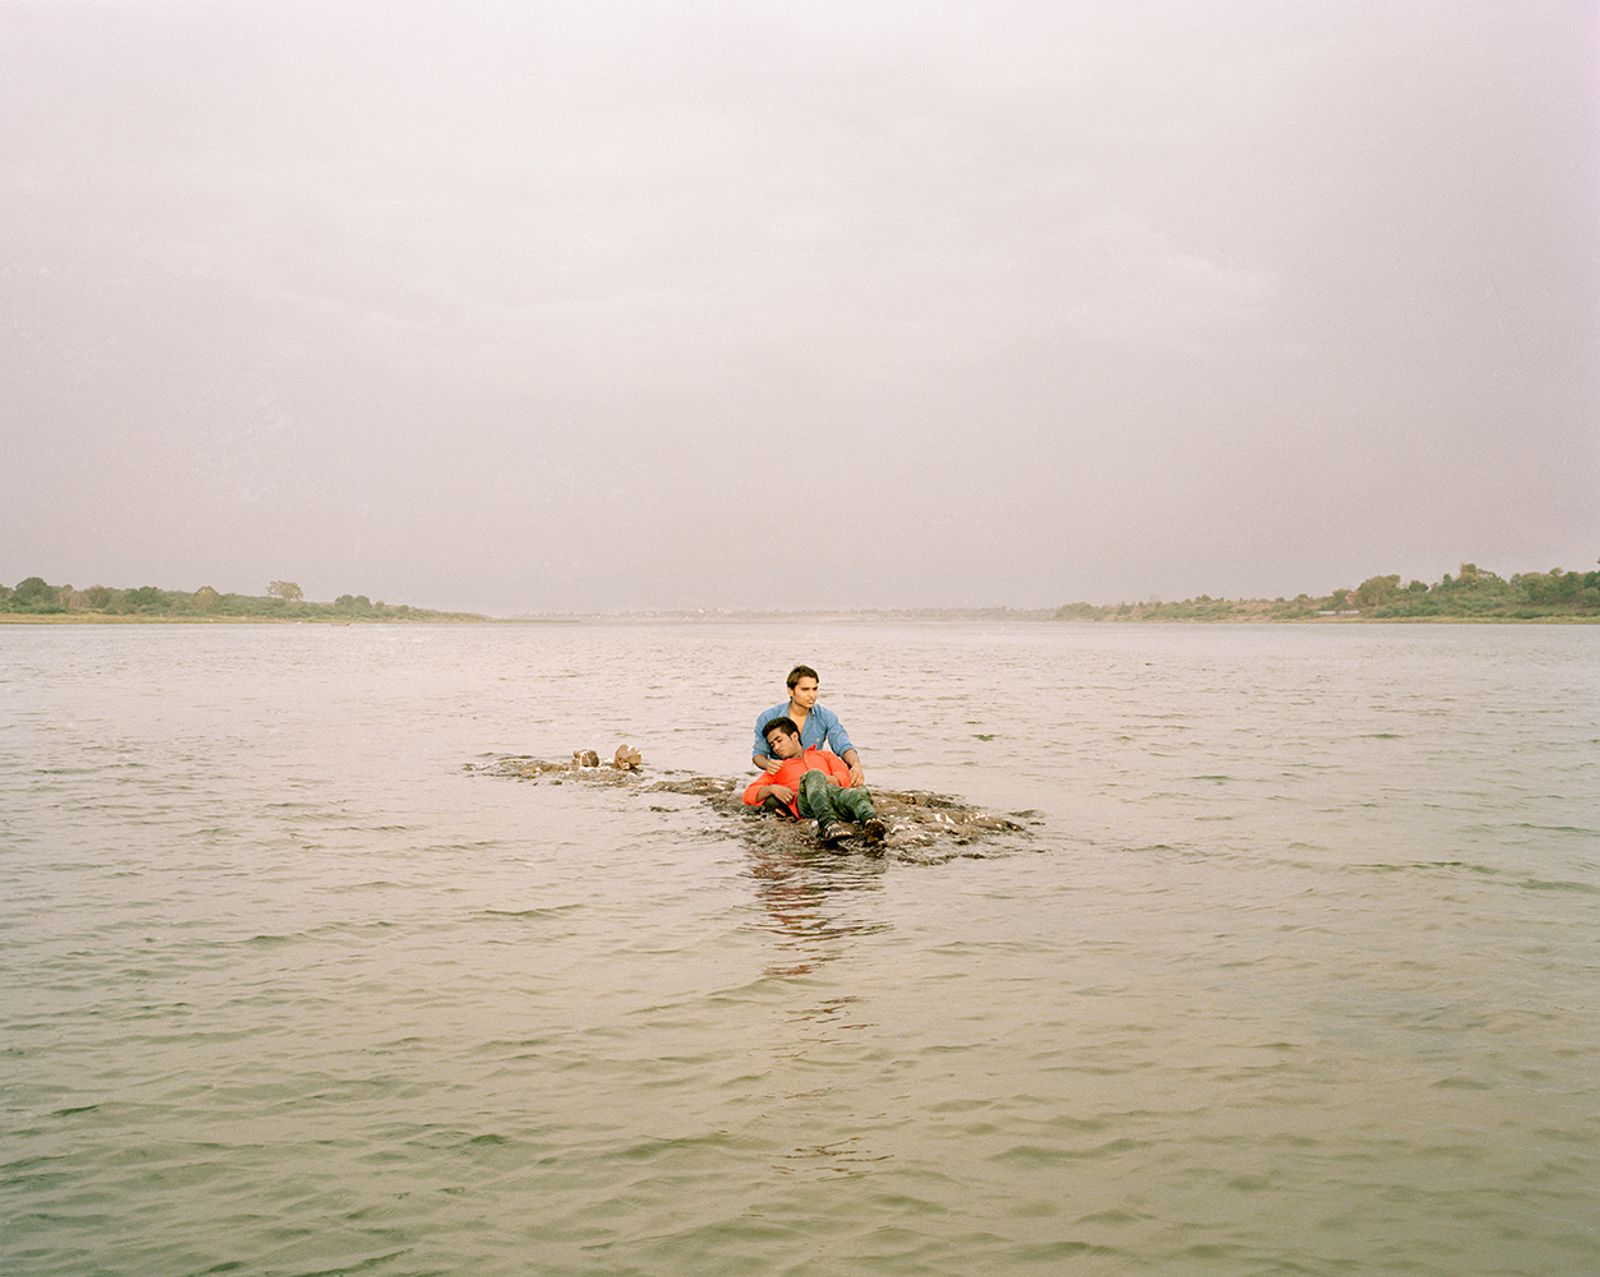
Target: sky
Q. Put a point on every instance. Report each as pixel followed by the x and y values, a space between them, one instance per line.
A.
pixel 547 307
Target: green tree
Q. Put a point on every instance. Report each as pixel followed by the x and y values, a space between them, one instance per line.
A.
pixel 1375 591
pixel 288 591
pixel 36 595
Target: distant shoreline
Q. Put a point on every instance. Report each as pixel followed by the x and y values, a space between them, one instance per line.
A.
pixel 1476 596
pixel 102 618
pixel 771 618
pixel 960 618
pixel 35 600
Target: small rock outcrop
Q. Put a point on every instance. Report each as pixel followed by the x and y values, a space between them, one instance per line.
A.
pixel 923 826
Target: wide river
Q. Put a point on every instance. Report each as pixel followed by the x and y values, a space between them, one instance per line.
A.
pixel 1298 973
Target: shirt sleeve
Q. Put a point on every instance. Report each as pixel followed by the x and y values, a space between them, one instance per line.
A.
pixel 760 746
pixel 788 776
pixel 834 734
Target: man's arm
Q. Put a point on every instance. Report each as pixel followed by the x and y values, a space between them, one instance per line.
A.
pixel 758 794
pixel 839 773
pixel 836 736
pixel 766 785
pixel 767 763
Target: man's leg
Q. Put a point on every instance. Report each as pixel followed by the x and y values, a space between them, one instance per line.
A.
pixel 855 804
pixel 818 800
pixel 824 800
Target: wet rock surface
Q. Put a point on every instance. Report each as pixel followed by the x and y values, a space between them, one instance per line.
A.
pixel 923 826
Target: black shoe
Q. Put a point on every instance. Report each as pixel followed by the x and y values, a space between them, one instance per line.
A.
pixel 835 833
pixel 875 830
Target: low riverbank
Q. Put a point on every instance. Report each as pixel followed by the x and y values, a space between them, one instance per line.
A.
pixel 1554 619
pixel 100 618
pixel 845 618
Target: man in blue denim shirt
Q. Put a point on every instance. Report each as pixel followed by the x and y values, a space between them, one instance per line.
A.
pixel 819 726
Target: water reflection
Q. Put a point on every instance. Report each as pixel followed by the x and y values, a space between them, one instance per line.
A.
pixel 818 905
pixel 813 898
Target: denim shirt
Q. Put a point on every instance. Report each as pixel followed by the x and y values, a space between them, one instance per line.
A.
pixel 822 730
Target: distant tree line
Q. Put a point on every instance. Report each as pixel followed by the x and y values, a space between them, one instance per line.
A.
pixel 284 600
pixel 1474 593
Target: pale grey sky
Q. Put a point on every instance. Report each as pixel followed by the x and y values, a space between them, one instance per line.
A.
pixel 530 307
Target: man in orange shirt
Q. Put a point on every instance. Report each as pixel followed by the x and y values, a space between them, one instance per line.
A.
pixel 815 785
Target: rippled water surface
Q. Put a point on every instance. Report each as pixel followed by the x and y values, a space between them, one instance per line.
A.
pixel 1298 974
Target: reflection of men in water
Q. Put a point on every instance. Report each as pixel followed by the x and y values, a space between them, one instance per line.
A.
pixel 819 726
pixel 813 784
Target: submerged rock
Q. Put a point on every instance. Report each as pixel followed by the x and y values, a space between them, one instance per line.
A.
pixel 923 826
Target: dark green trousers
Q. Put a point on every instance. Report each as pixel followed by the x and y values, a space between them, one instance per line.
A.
pixel 824 800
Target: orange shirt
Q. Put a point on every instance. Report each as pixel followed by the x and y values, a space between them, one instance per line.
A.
pixel 790 771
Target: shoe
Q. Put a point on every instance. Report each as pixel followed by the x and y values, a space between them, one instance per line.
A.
pixel 875 830
pixel 834 834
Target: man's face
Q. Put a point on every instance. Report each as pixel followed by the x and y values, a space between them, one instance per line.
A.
pixel 804 692
pixel 783 745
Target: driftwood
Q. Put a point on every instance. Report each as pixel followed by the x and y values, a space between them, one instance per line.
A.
pixel 922 825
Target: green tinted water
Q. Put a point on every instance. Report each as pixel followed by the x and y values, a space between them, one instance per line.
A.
pixel 1298 977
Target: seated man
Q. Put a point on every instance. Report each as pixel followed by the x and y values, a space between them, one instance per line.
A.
pixel 815 785
pixel 819 726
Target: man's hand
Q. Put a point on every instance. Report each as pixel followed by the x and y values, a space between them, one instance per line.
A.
pixel 852 760
pixel 771 765
pixel 781 792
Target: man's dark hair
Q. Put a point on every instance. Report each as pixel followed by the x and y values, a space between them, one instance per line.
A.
pixel 799 672
pixel 782 723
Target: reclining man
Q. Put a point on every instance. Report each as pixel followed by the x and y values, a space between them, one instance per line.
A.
pixel 814 785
